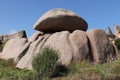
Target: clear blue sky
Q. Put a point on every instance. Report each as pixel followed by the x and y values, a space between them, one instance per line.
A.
pixel 18 15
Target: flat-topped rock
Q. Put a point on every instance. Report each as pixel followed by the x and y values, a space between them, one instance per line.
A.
pixel 60 19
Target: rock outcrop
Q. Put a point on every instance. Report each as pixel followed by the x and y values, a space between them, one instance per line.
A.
pixel 34 48
pixel 68 44
pixel 20 34
pixel 101 48
pixel 12 48
pixel 79 45
pixel 64 31
pixel 25 48
pixel 60 20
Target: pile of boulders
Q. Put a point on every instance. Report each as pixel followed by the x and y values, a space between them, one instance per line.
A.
pixel 64 31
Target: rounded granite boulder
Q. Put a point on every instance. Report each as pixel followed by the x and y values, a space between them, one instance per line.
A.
pixel 60 19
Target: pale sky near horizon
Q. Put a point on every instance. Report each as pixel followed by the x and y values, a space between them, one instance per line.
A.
pixel 16 15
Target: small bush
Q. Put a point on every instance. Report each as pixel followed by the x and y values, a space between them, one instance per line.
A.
pixel 117 43
pixel 6 63
pixel 44 62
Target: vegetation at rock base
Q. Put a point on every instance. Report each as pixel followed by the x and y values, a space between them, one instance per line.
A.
pixel 83 70
pixel 44 62
pixel 77 70
pixel 117 43
pixel 9 72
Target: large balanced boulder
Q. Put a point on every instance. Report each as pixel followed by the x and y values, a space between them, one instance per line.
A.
pixel 70 46
pixel 101 48
pixel 60 19
pixel 12 48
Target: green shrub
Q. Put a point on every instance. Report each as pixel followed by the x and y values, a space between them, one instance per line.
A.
pixel 8 71
pixel 6 63
pixel 117 43
pixel 44 62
